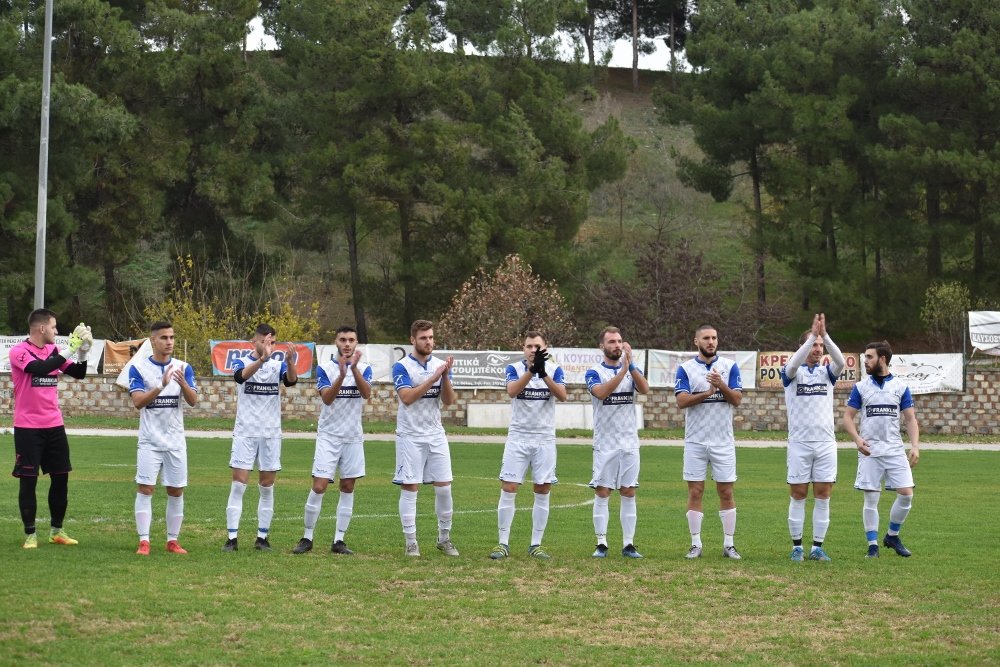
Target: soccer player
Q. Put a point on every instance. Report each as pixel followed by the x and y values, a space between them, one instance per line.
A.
pixel 707 388
pixel 257 433
pixel 344 385
pixel 613 384
pixel 423 383
pixel 533 386
pixel 156 385
pixel 882 400
pixel 812 446
pixel 40 443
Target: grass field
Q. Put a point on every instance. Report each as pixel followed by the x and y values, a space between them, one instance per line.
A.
pixel 98 603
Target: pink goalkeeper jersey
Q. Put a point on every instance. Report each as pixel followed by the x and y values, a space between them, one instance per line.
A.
pixel 36 399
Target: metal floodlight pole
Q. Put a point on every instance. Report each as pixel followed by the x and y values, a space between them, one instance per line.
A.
pixel 43 160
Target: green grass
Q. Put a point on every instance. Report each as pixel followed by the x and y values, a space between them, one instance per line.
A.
pixel 100 604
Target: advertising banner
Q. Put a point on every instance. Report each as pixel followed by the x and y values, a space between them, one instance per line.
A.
pixel 929 373
pixel 225 352
pixel 479 369
pixel 93 359
pixel 144 350
pixel 769 365
pixel 576 361
pixel 116 355
pixel 984 330
pixel 379 357
pixel 663 366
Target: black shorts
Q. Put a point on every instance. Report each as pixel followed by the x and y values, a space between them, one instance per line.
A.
pixel 41 448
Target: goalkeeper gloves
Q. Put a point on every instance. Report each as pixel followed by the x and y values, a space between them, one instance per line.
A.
pixel 538 365
pixel 80 342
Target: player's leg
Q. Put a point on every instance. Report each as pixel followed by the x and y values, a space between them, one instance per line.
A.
pixel 269 458
pixel 345 510
pixel 241 460
pixel 323 471
pixel 900 478
pixel 147 468
pixel 824 475
pixel 605 465
pixel 628 480
pixel 543 470
pixel 410 457
pixel 869 481
pixel 55 462
pixel 798 478
pixel 27 461
pixel 438 472
pixel 175 479
pixel 695 471
pixel 513 467
pixel 723 460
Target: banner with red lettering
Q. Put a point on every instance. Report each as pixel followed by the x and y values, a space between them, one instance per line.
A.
pixel 225 352
pixel 769 365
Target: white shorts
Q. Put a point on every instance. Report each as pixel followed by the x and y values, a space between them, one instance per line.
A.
pixel 518 456
pixel 697 458
pixel 894 469
pixel 422 460
pixel 173 463
pixel 266 452
pixel 615 468
pixel 331 454
pixel 812 462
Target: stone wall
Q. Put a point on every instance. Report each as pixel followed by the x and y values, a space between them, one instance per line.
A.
pixel 973 412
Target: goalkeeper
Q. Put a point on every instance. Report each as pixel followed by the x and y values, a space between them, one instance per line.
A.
pixel 40 444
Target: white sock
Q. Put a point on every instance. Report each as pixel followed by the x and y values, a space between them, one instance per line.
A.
pixel 821 518
pixel 408 514
pixel 444 509
pixel 314 505
pixel 694 526
pixel 728 526
pixel 234 508
pixel 505 515
pixel 143 514
pixel 796 517
pixel 539 517
pixel 869 515
pixel 345 510
pixel 175 516
pixel 897 514
pixel 601 519
pixel 265 511
pixel 628 515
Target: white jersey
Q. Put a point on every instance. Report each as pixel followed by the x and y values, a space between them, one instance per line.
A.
pixel 533 411
pixel 258 399
pixel 421 418
pixel 809 394
pixel 161 423
pixel 615 424
pixel 342 419
pixel 711 421
pixel 880 406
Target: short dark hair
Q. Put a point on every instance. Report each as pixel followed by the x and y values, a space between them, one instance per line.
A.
pixel 345 329
pixel 705 326
pixel 159 324
pixel 607 330
pixel 40 316
pixel 532 333
pixel 882 349
pixel 805 336
pixel 265 330
pixel 420 325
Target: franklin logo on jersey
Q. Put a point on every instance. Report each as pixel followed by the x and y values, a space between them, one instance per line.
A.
pixel 811 390
pixel 44 381
pixel 881 411
pixel 619 398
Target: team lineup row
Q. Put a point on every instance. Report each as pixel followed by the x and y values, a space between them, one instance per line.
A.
pixel 707 388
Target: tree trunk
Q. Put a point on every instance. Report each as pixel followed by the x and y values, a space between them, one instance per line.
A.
pixel 405 208
pixel 672 42
pixel 635 46
pixel 934 229
pixel 588 37
pixel 357 290
pixel 758 231
pixel 829 237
